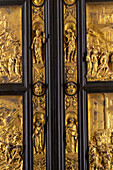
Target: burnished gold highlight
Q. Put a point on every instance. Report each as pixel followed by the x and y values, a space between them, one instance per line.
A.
pixel 11 44
pixel 100 128
pixel 11 132
pixel 39 114
pixel 69 2
pixel 71 104
pixel 38 2
pixel 99 42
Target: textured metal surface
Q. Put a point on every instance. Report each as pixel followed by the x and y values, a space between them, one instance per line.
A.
pixel 11 44
pixel 100 128
pixel 38 60
pixel 71 104
pixel 11 132
pixel 99 42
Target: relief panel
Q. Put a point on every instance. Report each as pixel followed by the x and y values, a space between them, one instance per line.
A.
pixel 38 61
pixel 100 129
pixel 11 132
pixel 99 41
pixel 11 44
pixel 71 102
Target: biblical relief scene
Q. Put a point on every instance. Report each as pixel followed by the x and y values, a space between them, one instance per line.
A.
pixel 11 44
pixel 11 132
pixel 71 103
pixel 39 113
pixel 100 127
pixel 99 42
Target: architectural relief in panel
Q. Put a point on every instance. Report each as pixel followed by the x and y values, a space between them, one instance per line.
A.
pixel 99 42
pixel 39 114
pixel 11 44
pixel 11 132
pixel 71 104
pixel 100 125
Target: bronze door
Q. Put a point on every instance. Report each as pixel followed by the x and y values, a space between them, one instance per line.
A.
pixel 56 85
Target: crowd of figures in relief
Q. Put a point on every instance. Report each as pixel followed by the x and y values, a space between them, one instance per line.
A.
pixel 71 104
pixel 10 47
pixel 99 42
pixel 100 125
pixel 11 136
pixel 38 60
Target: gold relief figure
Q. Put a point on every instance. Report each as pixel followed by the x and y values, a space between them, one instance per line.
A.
pixel 70 46
pixel 10 65
pixel 37 45
pixel 89 63
pixel 103 64
pixel 94 62
pixel 38 134
pixel 71 136
pixel 18 66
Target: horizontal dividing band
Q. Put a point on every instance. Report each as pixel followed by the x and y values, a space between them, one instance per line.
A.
pixel 12 88
pixel 12 2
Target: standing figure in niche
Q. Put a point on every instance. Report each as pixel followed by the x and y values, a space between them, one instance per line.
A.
pixel 71 136
pixel 37 45
pixel 71 47
pixel 94 62
pixel 38 133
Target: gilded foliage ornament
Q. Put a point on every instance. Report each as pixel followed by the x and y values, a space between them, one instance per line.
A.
pixel 71 103
pixel 39 103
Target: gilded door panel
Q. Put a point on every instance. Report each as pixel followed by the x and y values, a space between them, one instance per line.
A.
pixel 38 60
pixel 11 44
pixel 71 103
pixel 11 132
pixel 99 41
pixel 100 129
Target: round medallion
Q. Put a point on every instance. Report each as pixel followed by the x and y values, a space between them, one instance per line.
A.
pixel 39 89
pixel 38 2
pixel 71 88
pixel 69 2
